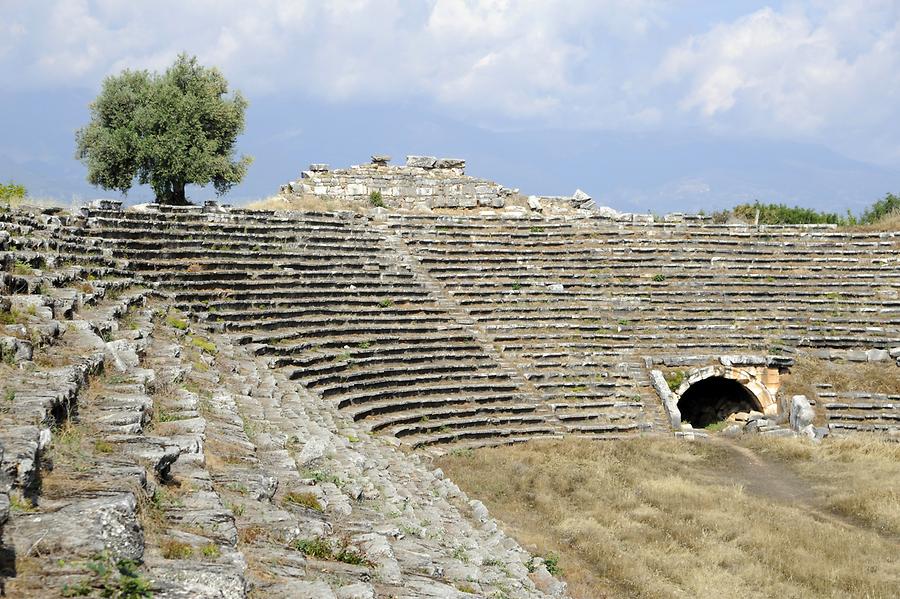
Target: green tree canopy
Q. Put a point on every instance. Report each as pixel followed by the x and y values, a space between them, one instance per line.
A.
pixel 168 131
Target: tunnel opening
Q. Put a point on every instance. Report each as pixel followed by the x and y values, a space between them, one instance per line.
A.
pixel 714 400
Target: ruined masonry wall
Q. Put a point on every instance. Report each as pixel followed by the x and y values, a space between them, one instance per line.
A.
pixel 424 182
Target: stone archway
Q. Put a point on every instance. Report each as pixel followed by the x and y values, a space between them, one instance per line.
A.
pixel 713 400
pixel 711 394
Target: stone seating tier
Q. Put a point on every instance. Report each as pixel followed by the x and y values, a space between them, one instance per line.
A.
pixel 308 289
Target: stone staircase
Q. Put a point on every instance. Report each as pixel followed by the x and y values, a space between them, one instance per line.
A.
pixel 480 330
pixel 209 403
pixel 144 454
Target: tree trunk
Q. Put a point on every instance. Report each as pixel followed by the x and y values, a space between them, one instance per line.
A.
pixel 174 195
pixel 178 197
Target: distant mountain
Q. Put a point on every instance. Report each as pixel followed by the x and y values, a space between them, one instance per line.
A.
pixel 650 172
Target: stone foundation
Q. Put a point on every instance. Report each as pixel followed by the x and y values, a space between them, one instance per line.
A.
pixel 423 182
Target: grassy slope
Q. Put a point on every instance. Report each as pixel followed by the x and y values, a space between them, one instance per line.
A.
pixel 663 518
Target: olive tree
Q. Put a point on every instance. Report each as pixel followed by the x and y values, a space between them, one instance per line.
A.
pixel 166 130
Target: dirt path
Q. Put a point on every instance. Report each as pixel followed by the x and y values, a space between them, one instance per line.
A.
pixel 773 480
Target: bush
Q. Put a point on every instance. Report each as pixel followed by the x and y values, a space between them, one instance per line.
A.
pixel 781 214
pixel 304 499
pixel 376 200
pixel 11 191
pixel 674 379
pixel 889 206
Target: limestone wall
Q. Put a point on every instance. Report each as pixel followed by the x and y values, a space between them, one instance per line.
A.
pixel 423 182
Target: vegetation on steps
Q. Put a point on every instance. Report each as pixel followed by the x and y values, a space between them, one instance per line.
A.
pixel 883 212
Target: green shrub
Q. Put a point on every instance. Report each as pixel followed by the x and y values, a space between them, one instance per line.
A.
pixel 177 323
pixel 551 562
pixel 376 200
pixel 889 206
pixel 781 214
pixel 674 379
pixel 318 548
pixel 122 580
pixel 22 268
pixel 172 549
pixel 204 345
pixel 11 191
pixel 303 499
pixel 324 549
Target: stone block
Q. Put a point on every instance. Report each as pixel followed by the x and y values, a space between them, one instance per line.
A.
pixel 357 189
pixel 318 167
pixel 742 360
pixel 122 355
pixel 607 212
pixel 878 355
pixel 802 413
pixel 420 161
pixel 581 199
pixel 856 356
pixel 450 163
pixel 380 159
pixel 82 528
pixel 37 305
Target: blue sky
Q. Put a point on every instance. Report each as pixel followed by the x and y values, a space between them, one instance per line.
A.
pixel 647 105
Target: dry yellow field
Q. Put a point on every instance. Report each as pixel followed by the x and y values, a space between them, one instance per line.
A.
pixel 658 518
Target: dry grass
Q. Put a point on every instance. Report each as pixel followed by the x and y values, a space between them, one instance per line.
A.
pixel 890 222
pixel 883 377
pixel 663 518
pixel 858 476
pixel 307 203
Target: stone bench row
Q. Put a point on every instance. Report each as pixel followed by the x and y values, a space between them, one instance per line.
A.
pixel 615 245
pixel 486 384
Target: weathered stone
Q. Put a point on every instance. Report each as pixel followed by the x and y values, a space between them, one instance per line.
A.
pixel 380 159
pixel 359 590
pixel 313 450
pixel 420 161
pixel 802 414
pixel 318 167
pixel 122 355
pixel 607 212
pixel 16 350
pixel 377 548
pixel 878 355
pixel 81 528
pixel 457 163
pixel 742 360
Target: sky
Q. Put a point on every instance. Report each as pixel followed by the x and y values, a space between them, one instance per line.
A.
pixel 647 105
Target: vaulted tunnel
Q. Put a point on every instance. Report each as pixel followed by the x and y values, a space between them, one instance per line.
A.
pixel 713 400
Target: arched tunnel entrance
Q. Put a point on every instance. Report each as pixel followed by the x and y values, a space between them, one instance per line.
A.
pixel 714 399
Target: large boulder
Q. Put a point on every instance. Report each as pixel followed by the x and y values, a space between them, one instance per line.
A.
pixel 802 413
pixel 83 528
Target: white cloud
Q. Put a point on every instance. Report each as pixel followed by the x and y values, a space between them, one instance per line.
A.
pixel 526 58
pixel 819 70
pixel 828 72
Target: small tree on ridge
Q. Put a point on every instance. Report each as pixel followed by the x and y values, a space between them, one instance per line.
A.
pixel 169 131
